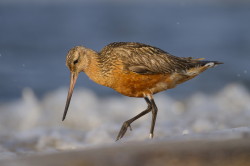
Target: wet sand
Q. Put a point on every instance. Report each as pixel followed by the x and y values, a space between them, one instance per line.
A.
pixel 187 152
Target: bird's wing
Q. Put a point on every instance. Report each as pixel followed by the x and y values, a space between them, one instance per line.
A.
pixel 145 59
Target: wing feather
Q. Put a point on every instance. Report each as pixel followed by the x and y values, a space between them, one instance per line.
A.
pixel 144 59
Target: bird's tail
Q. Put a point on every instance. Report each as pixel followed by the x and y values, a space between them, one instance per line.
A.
pixel 199 66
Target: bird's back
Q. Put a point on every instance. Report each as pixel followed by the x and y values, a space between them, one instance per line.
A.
pixel 146 59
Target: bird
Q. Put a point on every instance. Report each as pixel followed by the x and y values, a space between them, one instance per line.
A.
pixel 134 70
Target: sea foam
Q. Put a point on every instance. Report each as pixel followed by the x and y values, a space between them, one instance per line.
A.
pixel 31 125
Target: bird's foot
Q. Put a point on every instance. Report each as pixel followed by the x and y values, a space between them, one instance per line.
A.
pixel 123 130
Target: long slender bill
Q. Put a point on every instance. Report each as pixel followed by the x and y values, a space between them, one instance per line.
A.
pixel 73 78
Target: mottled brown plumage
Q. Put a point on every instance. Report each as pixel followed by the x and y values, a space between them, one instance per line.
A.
pixel 135 70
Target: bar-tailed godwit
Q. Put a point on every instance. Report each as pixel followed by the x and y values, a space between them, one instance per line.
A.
pixel 134 70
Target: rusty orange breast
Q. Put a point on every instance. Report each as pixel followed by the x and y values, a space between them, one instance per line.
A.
pixel 137 85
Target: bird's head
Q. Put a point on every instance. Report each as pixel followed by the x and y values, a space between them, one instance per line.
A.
pixel 77 60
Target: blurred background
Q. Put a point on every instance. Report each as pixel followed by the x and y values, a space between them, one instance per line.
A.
pixel 35 37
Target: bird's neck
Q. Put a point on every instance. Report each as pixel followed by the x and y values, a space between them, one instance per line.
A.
pixel 94 71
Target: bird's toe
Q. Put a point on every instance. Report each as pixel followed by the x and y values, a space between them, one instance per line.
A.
pixel 123 130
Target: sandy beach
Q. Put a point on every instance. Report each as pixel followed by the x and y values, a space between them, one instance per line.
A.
pixel 217 150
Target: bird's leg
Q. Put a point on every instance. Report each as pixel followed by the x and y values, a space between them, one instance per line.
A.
pixel 127 123
pixel 154 115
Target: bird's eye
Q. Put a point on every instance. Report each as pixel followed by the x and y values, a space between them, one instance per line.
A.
pixel 75 61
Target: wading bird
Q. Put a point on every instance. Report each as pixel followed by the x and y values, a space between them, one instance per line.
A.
pixel 134 70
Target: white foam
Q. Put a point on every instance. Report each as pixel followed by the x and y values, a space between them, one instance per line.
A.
pixel 31 125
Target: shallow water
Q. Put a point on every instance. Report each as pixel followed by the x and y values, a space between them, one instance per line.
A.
pixel 30 125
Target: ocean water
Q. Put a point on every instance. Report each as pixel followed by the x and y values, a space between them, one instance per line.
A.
pixel 35 38
pixel 36 35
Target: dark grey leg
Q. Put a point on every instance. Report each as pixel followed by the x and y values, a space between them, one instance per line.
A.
pixel 154 115
pixel 127 123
